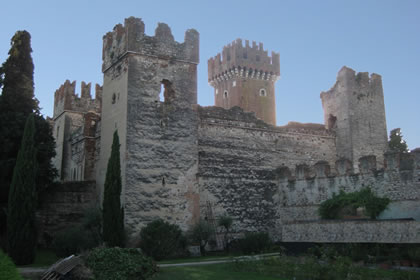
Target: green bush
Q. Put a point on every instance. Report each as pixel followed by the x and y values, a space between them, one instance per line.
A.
pixel 334 207
pixel 8 269
pixel 160 239
pixel 80 238
pixel 120 264
pixel 257 242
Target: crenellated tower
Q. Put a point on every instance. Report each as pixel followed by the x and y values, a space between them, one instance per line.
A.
pixel 158 136
pixel 245 76
pixel 354 108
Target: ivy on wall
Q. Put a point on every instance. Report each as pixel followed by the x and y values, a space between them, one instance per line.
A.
pixel 347 203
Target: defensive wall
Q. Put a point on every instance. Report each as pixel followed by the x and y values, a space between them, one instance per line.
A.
pixel 181 161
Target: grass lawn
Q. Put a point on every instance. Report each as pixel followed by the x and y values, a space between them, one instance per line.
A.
pixel 207 272
pixel 281 268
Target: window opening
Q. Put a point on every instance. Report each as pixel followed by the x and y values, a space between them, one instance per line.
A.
pixel 225 94
pixel 161 93
pixel 114 97
pixel 263 92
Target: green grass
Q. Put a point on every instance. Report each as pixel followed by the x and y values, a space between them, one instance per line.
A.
pixel 43 258
pixel 209 272
pixel 282 268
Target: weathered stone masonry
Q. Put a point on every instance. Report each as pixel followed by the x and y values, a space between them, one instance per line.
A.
pixel 179 159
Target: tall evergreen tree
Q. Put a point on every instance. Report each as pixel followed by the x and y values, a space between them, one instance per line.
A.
pixel 17 102
pixel 396 142
pixel 21 232
pixel 113 213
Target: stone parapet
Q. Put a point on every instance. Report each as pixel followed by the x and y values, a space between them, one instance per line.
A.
pixel 352 231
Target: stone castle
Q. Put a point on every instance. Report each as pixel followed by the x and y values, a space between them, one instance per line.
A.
pixel 181 161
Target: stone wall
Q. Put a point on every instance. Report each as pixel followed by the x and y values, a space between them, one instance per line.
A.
pixel 300 195
pixel 238 155
pixel 357 231
pixel 64 206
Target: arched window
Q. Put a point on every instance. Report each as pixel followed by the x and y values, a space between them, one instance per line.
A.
pixel 263 92
pixel 225 94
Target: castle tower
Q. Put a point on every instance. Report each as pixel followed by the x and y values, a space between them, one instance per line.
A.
pixel 158 137
pixel 74 123
pixel 354 108
pixel 245 77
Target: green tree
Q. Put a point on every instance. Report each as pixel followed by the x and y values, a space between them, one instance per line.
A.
pixel 226 223
pixel 160 239
pixel 21 232
pixel 17 102
pixel 201 233
pixel 396 142
pixel 113 213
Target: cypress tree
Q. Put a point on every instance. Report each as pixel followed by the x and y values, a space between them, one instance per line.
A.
pixel 21 233
pixel 113 213
pixel 17 102
pixel 396 142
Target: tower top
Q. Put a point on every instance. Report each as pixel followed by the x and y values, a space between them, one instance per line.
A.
pixel 247 61
pixel 130 38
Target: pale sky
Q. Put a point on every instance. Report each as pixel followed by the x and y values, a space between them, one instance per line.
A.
pixel 314 39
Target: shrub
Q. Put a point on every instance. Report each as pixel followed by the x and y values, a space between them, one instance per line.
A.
pixel 200 234
pixel 8 269
pixel 120 263
pixel 334 207
pixel 79 238
pixel 255 242
pixel 160 239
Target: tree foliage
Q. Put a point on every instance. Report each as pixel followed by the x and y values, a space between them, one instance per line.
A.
pixel 160 239
pixel 21 230
pixel 225 222
pixel 17 102
pixel 113 213
pixel 201 234
pixel 333 208
pixel 396 142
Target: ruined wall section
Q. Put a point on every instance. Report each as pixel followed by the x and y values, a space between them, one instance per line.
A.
pixel 354 108
pixel 245 76
pixel 160 151
pixel 238 156
pixel 63 207
pixel 301 192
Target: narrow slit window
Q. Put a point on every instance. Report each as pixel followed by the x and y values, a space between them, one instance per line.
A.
pixel 161 93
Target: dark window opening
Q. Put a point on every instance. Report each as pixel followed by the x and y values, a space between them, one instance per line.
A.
pixel 332 122
pixel 225 94
pixel 163 181
pixel 114 98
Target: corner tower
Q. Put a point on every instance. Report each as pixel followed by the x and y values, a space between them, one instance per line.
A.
pixel 245 77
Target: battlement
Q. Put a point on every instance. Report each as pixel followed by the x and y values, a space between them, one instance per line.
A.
pixel 131 39
pixel 244 61
pixel 348 78
pixel 394 161
pixel 66 99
